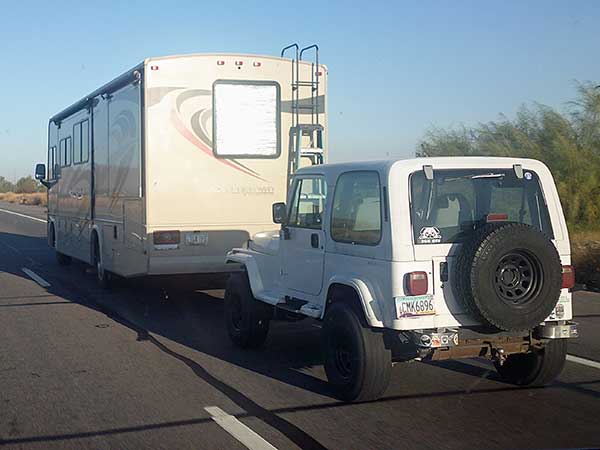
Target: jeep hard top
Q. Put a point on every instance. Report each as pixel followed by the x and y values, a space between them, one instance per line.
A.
pixel 426 259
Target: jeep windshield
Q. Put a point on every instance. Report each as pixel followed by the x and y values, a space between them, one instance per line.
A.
pixel 456 202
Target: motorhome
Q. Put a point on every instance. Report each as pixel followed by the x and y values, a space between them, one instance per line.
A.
pixel 170 165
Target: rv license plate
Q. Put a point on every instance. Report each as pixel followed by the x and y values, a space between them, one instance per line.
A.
pixel 416 305
pixel 196 238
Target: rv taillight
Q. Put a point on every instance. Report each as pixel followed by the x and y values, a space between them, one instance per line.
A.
pixel 416 283
pixel 239 63
pixel 319 73
pixel 568 277
pixel 220 62
pixel 166 237
pixel 256 64
pixel 153 67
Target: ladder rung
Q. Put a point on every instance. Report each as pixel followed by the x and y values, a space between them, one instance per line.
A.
pixel 306 83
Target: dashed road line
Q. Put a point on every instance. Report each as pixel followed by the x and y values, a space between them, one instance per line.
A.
pixel 35 277
pixel 23 215
pixel 583 361
pixel 238 430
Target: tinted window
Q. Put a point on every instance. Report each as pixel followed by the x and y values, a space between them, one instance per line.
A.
pixel 81 142
pixel 456 202
pixel 308 203
pixel 51 162
pixel 65 152
pixel 85 141
pixel 356 215
pixel 77 143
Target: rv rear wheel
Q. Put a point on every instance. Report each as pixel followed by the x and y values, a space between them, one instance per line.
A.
pixel 536 368
pixel 103 276
pixel 247 319
pixel 357 363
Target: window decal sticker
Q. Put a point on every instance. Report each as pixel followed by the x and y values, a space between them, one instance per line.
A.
pixel 430 235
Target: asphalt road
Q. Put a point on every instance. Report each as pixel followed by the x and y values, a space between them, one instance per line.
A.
pixel 135 368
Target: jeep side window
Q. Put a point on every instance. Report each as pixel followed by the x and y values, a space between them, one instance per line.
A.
pixel 308 204
pixel 356 214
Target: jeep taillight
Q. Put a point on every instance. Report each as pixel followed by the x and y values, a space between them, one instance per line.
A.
pixel 166 237
pixel 568 277
pixel 416 283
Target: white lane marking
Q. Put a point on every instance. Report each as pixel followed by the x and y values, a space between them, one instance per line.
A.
pixel 35 277
pixel 22 215
pixel 238 430
pixel 583 361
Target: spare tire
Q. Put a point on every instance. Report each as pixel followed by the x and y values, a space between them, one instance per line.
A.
pixel 508 276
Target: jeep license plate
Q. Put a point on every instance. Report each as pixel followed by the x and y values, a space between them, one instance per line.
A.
pixel 196 238
pixel 413 306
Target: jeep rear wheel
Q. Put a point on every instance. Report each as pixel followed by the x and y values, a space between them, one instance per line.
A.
pixel 536 368
pixel 508 276
pixel 247 319
pixel 357 364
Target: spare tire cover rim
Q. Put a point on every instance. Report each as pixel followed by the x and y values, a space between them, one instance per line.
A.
pixel 518 277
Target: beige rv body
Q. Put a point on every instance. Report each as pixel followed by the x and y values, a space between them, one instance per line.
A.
pixel 137 157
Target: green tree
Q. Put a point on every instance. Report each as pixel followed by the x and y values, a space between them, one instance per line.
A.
pixel 6 186
pixel 25 185
pixel 569 144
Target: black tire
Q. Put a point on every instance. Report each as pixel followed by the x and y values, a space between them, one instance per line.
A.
pixel 62 259
pixel 247 319
pixel 508 276
pixel 103 277
pixel 357 364
pixel 536 368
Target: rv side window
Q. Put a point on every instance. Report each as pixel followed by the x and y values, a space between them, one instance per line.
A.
pixel 81 142
pixel 51 161
pixel 246 119
pixel 77 143
pixel 65 152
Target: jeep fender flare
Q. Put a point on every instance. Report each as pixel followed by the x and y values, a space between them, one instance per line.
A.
pixel 251 267
pixel 366 294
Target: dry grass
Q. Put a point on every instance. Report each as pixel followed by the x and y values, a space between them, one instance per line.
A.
pixel 585 255
pixel 37 198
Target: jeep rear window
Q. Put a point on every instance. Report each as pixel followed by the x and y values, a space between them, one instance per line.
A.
pixel 456 202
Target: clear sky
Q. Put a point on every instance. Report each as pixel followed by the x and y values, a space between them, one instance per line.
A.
pixel 395 68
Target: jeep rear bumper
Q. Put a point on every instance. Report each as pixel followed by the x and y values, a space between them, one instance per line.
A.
pixel 557 330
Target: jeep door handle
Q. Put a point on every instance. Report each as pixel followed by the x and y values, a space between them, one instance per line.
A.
pixel 314 240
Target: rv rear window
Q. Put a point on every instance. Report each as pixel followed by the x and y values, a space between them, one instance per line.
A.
pixel 246 119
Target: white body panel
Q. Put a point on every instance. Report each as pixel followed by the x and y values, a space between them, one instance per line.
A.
pixel 153 164
pixel 377 272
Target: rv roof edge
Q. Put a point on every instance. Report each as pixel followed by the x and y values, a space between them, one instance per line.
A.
pixel 131 75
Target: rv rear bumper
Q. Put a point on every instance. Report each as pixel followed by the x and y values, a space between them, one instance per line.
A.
pixel 172 265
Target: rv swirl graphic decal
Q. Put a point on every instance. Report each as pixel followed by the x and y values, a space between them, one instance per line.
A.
pixel 195 129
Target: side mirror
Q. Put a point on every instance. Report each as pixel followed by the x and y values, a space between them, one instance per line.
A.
pixel 279 212
pixel 40 172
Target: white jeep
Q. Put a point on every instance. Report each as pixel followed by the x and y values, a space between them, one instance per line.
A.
pixel 424 259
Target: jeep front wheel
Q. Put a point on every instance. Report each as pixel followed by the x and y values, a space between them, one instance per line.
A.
pixel 247 319
pixel 357 364
pixel 536 368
